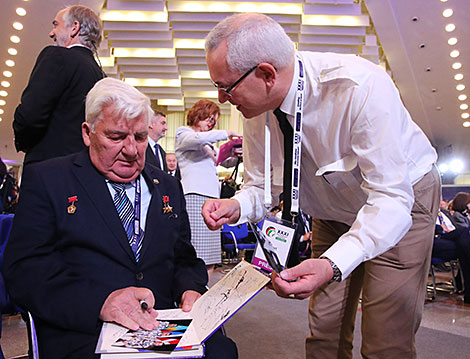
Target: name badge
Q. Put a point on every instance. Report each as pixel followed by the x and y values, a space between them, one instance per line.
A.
pixel 273 250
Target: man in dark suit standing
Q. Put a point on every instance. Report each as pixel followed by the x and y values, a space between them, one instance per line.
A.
pixel 173 168
pixel 97 232
pixel 48 119
pixel 155 154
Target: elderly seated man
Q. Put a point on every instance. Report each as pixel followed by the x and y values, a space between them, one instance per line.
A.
pixel 99 231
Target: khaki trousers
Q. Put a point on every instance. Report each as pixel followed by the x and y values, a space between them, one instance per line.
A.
pixel 393 287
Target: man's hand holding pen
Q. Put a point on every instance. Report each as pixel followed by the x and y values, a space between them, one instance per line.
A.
pixel 126 307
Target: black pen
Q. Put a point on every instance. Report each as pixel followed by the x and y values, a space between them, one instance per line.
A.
pixel 143 305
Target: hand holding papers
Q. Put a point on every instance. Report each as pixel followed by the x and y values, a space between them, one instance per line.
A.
pixel 209 312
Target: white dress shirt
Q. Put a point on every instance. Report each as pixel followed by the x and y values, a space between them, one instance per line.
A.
pixel 197 166
pixel 361 155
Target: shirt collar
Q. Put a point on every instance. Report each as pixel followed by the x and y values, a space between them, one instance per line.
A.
pixel 288 105
pixel 152 143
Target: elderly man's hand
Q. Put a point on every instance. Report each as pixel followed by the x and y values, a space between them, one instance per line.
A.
pixel 217 212
pixel 188 298
pixel 123 307
pixel 308 275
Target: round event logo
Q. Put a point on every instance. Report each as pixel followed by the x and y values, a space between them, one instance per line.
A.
pixel 270 231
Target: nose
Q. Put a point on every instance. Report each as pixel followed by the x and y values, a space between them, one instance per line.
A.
pixel 130 147
pixel 51 34
pixel 223 97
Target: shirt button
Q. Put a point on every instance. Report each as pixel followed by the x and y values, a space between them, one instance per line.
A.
pixel 139 276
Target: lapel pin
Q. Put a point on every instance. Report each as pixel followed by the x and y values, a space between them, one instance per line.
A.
pixel 166 205
pixel 156 181
pixel 72 208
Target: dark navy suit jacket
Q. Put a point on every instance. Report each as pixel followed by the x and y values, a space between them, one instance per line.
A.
pixel 48 120
pixel 61 267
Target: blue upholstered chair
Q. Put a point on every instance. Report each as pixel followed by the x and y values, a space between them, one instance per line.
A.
pixel 234 242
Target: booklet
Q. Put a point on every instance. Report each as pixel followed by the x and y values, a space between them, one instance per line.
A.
pixel 188 330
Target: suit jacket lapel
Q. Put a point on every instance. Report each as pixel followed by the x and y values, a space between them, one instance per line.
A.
pixel 94 184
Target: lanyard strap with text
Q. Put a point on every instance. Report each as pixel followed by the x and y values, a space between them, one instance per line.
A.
pixel 137 229
pixel 297 141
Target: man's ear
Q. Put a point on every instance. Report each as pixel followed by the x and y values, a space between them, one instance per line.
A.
pixel 86 130
pixel 75 29
pixel 267 72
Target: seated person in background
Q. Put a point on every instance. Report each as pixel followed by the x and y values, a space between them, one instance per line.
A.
pixel 460 206
pixel 172 163
pixel 74 260
pixel 453 243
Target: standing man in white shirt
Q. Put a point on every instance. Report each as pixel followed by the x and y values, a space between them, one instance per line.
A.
pixel 155 154
pixel 367 177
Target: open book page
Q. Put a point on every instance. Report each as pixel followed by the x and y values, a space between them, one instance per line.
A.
pixel 222 301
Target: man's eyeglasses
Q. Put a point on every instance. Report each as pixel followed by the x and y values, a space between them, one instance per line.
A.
pixel 228 90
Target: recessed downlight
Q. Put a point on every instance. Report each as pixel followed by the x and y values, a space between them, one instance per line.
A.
pixel 3 93
pixel 5 84
pixel 12 51
pixel 20 11
pixel 462 97
pixel 458 77
pixel 455 53
pixel 452 41
pixel 2 102
pixel 447 12
pixel 17 25
pixel 450 27
pixel 466 124
pixel 7 73
pixel 465 115
pixel 15 39
pixel 460 87
pixel 464 106
pixel 456 65
pixel 10 63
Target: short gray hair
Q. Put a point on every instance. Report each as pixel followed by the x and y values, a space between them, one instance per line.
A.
pixel 126 100
pixel 252 39
pixel 90 25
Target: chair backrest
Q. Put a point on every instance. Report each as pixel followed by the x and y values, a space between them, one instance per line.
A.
pixel 240 231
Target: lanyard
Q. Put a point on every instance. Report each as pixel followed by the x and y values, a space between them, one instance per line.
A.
pixel 297 141
pixel 135 238
pixel 296 150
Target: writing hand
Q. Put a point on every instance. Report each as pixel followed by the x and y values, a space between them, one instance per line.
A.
pixel 123 306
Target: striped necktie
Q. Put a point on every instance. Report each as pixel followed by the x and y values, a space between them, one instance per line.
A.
pixel 125 210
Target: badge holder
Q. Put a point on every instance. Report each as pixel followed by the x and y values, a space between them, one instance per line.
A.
pixel 274 244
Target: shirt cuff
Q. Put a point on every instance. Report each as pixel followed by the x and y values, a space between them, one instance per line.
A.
pixel 346 255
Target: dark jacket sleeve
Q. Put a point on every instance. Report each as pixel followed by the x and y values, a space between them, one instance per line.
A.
pixel 45 87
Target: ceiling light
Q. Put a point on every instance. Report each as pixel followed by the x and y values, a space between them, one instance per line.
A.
pixel 3 93
pixel 450 27
pixel 455 53
pixel 12 51
pixel 443 167
pixel 456 166
pixel 10 63
pixel 456 65
pixel 441 0
pixel 452 41
pixel 0 119
pixel 447 13
pixel 7 74
pixel 462 97
pixel 1 111
pixel 465 115
pixel 17 25
pixel 460 87
pixel 464 106
pixel 20 11
pixel 458 77
pixel 466 124
pixel 5 84
pixel 15 39
pixel 2 102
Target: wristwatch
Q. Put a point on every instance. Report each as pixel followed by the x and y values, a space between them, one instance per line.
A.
pixel 336 272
